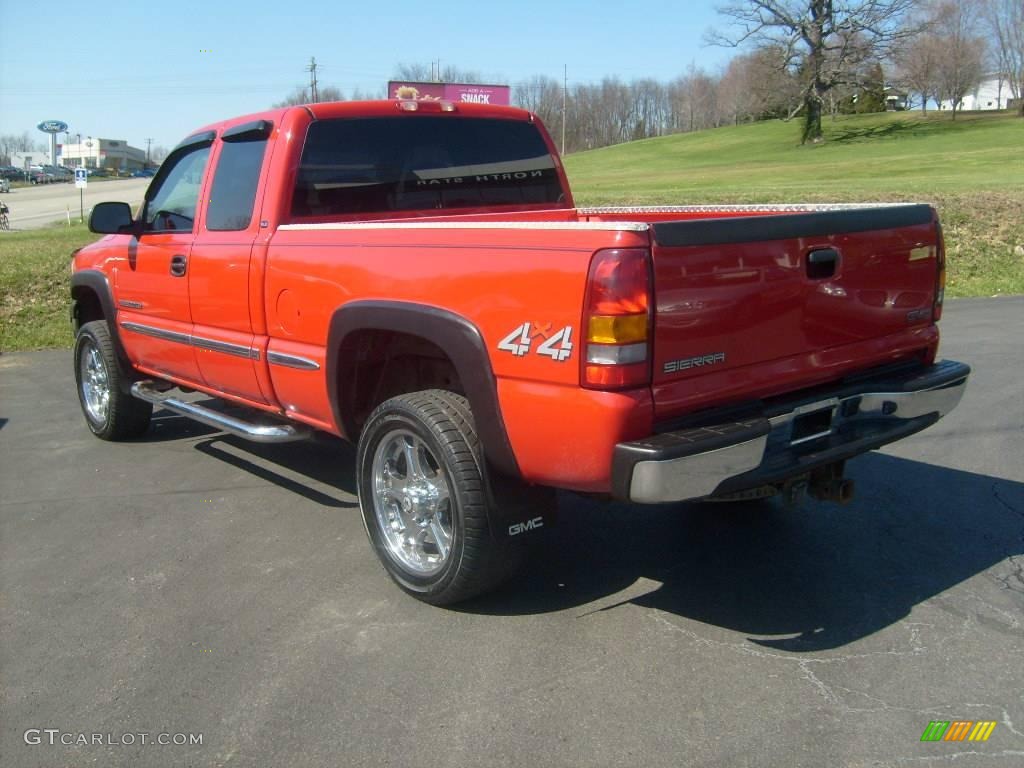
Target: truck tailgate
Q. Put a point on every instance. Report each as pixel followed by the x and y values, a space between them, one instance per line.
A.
pixel 752 306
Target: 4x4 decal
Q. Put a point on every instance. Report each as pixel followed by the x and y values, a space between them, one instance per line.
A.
pixel 557 345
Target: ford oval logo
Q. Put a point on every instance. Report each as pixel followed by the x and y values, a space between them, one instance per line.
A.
pixel 53 126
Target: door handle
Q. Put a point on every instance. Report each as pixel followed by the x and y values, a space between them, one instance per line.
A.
pixel 822 263
pixel 178 265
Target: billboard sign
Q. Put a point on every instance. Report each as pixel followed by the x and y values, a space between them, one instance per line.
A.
pixel 464 93
pixel 53 126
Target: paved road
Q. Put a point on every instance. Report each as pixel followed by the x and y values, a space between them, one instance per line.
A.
pixel 38 206
pixel 189 583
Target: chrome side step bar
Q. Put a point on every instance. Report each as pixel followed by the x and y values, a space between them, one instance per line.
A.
pixel 259 433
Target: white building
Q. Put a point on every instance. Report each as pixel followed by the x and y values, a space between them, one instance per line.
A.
pixel 114 154
pixel 992 93
pixel 25 160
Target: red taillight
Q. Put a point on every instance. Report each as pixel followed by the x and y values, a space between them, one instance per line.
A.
pixel 617 320
pixel 940 273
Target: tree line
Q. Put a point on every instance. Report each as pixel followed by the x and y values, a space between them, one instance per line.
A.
pixel 801 59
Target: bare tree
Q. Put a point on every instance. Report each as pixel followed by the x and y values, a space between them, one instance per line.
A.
pixel 917 67
pixel 961 65
pixel 12 142
pixel 542 95
pixel 649 108
pixel 432 72
pixel 6 148
pixel 738 90
pixel 1004 22
pixel 823 40
pixel 694 98
pixel 300 95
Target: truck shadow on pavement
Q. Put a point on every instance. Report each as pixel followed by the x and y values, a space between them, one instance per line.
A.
pixel 809 578
pixel 801 579
pixel 326 460
pixel 297 467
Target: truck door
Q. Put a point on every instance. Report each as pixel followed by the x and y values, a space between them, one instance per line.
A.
pixel 152 289
pixel 225 286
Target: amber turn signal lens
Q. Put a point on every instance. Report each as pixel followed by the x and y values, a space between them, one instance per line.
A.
pixel 617 329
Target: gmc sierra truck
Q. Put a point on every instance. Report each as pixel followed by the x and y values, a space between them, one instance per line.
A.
pixel 414 277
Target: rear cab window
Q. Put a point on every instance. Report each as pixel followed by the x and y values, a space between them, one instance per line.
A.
pixel 381 165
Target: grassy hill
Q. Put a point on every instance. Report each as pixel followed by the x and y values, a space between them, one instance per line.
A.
pixel 972 170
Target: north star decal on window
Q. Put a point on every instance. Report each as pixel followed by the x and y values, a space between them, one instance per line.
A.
pixel 557 345
pixel 674 366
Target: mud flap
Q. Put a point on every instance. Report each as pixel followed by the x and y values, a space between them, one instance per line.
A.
pixel 518 511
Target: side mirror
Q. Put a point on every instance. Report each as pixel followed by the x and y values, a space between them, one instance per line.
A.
pixel 111 219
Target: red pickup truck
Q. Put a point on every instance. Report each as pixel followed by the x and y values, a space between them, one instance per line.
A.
pixel 415 277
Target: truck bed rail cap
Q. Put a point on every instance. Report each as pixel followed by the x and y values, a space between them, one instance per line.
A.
pixel 618 226
pixel 746 208
pixel 786 225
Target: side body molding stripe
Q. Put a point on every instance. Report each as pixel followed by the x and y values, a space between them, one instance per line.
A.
pixel 238 350
pixel 458 337
pixel 292 361
pixel 157 333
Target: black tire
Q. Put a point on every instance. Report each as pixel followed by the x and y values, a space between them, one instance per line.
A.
pixel 123 416
pixel 442 423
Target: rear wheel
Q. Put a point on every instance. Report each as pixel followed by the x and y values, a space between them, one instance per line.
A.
pixel 110 412
pixel 424 499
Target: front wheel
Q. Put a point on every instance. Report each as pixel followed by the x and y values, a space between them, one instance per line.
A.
pixel 424 499
pixel 110 412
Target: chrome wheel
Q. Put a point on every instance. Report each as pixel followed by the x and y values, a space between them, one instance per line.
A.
pixel 412 502
pixel 95 382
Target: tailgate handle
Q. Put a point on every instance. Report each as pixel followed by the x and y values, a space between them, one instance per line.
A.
pixel 822 263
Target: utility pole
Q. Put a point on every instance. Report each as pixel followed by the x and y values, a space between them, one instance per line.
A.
pixel 314 96
pixel 148 143
pixel 565 89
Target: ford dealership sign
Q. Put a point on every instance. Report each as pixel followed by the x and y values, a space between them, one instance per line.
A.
pixel 53 126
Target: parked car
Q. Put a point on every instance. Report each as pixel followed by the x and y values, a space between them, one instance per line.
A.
pixel 39 175
pixel 143 173
pixel 59 172
pixel 416 278
pixel 5 185
pixel 98 172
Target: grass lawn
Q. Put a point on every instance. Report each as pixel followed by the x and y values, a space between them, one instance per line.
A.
pixel 972 170
pixel 35 267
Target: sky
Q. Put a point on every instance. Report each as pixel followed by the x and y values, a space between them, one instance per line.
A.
pixel 138 70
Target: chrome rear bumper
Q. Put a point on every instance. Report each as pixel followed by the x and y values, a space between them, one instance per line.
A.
pixel 785 439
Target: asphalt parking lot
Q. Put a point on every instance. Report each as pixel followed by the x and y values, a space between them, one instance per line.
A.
pixel 190 583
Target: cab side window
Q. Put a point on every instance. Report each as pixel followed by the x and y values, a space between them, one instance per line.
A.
pixel 172 206
pixel 234 184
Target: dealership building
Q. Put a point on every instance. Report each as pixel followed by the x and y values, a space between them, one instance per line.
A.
pixel 114 154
